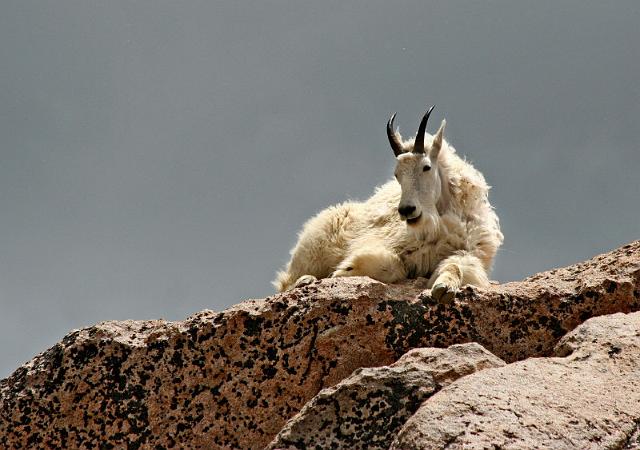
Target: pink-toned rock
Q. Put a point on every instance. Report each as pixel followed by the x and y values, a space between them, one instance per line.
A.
pixel 633 443
pixel 365 410
pixel 233 379
pixel 588 399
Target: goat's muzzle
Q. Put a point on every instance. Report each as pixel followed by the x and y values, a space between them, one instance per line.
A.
pixel 408 213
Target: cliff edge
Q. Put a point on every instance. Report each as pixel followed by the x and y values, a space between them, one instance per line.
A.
pixel 234 379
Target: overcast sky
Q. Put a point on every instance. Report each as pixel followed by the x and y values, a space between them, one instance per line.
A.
pixel 158 157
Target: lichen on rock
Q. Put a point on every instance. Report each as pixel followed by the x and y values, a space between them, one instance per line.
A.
pixel 367 409
pixel 586 398
pixel 233 379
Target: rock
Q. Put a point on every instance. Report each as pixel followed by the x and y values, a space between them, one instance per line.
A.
pixel 233 379
pixel 365 410
pixel 634 440
pixel 589 398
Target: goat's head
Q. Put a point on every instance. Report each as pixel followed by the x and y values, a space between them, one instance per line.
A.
pixel 417 171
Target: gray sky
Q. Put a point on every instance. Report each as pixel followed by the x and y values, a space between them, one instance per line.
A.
pixel 158 157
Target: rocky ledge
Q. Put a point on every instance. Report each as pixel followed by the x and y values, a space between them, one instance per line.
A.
pixel 304 369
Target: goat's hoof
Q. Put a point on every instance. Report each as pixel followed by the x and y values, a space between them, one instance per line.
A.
pixel 304 280
pixel 443 293
pixel 342 272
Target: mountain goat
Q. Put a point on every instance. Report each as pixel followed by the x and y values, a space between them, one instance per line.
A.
pixel 434 220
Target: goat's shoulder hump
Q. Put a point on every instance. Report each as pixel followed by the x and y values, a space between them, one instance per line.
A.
pixel 467 184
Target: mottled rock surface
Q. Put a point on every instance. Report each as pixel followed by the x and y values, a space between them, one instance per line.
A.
pixel 367 409
pixel 233 379
pixel 633 443
pixel 588 399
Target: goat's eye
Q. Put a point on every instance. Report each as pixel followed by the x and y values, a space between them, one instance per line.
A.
pixel 426 168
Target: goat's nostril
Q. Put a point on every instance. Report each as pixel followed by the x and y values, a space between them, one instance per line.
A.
pixel 406 211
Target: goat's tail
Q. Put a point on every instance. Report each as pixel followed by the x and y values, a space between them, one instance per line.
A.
pixel 283 281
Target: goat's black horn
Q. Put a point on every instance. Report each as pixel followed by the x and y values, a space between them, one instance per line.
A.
pixel 394 137
pixel 418 146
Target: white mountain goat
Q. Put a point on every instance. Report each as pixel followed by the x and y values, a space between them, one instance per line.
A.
pixel 433 221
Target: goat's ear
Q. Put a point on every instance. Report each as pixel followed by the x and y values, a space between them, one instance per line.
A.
pixel 437 141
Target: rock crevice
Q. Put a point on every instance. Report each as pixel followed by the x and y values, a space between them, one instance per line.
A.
pixel 587 399
pixel 233 379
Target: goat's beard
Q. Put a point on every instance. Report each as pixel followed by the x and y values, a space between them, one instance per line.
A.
pixel 428 227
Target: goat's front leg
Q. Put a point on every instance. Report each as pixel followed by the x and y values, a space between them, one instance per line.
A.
pixel 454 272
pixel 374 261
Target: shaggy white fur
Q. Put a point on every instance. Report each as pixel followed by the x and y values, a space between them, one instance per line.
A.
pixel 446 229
